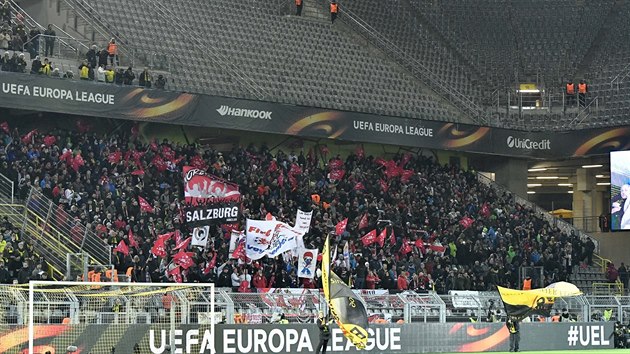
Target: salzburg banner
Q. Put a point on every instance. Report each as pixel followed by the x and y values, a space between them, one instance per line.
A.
pixel 34 92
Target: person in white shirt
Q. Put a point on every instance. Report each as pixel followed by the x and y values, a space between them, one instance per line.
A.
pixel 100 74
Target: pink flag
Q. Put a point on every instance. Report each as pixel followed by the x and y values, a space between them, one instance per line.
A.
pixel 114 157
pixel 122 248
pixel 466 222
pixel 139 172
pixel 341 226
pixel 392 239
pixel 406 248
pixel 369 238
pixel 145 206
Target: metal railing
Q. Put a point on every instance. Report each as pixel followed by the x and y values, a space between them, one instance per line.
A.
pixel 180 25
pixel 419 70
pixel 88 14
pixel 65 40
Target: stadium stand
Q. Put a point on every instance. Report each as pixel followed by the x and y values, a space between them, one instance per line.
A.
pixel 306 62
pixel 443 218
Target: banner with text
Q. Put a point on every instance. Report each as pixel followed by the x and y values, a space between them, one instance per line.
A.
pixel 34 92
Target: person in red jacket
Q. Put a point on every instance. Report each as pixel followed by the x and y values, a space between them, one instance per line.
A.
pixel 259 280
pixel 371 280
pixel 403 283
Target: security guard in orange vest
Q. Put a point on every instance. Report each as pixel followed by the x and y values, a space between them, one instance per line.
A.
pixel 582 90
pixel 298 7
pixel 527 283
pixel 334 8
pixel 570 92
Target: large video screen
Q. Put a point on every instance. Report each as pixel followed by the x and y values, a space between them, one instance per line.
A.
pixel 620 190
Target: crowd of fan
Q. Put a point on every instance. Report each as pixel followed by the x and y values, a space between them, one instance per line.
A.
pixel 99 65
pixel 97 180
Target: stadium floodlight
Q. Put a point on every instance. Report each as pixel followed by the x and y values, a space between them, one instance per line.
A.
pixel 117 317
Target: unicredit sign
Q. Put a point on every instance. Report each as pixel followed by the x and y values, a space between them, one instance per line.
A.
pixel 528 144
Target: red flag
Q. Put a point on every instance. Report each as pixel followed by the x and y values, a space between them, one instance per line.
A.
pixel 485 210
pixel 114 157
pixel 406 175
pixel 159 247
pixel 364 221
pixel 122 248
pixel 359 186
pixel 438 249
pixel 210 264
pixel 77 162
pixel 273 166
pixel 182 245
pixel 49 140
pixel 466 222
pixel 420 245
pixel 269 217
pixel 337 175
pixel 139 172
pixel 184 259
pixel 28 138
pixel 293 181
pixel 295 169
pixel 132 241
pixel 369 238
pixel 406 248
pixel 159 163
pixel 384 185
pixel 154 146
pixel 5 127
pixel 281 180
pixel 392 238
pixel 239 251
pixel 67 157
pixel 341 226
pixel 145 206
pixel 381 237
pixel 335 164
pixel 176 273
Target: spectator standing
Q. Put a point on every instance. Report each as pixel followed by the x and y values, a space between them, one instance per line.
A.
pixel 129 76
pixel 35 37
pixel 298 7
pixel 100 74
pixel 515 336
pixel 160 83
pixel 5 12
pixel 92 57
pixel 623 275
pixel 5 39
pixel 334 9
pixel 50 37
pixel 119 77
pixel 145 79
pixel 582 90
pixel 103 54
pixel 112 50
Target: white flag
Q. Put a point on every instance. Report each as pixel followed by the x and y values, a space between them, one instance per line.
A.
pixel 303 221
pixel 200 236
pixel 307 263
pixel 235 238
pixel 268 238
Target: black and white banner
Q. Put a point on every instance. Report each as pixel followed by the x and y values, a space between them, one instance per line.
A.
pixel 213 213
pixel 200 236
